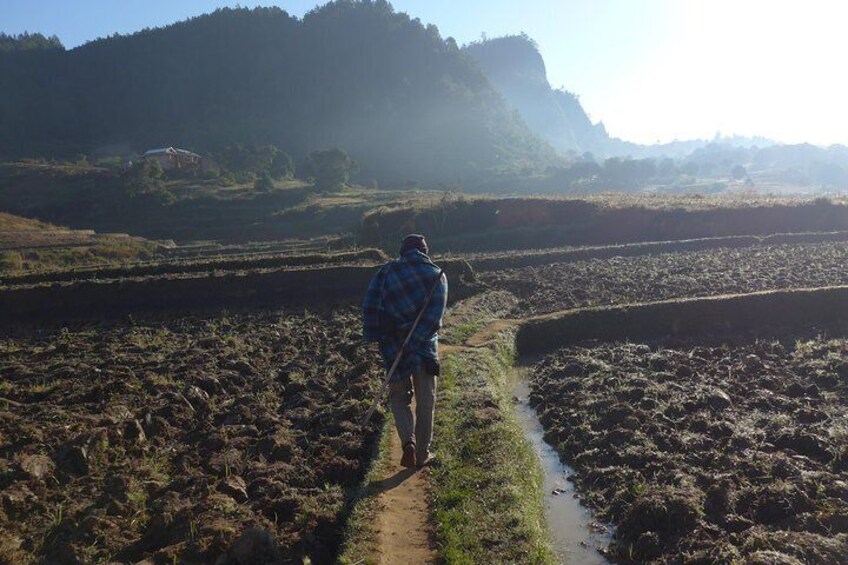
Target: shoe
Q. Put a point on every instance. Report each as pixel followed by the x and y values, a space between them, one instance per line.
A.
pixel 408 459
pixel 427 461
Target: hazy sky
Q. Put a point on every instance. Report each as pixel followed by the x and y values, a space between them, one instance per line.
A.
pixel 651 70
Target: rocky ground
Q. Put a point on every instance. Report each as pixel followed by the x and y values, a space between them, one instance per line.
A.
pixel 622 280
pixel 230 439
pixel 707 454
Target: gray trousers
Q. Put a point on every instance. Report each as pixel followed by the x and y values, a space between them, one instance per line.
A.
pixel 420 428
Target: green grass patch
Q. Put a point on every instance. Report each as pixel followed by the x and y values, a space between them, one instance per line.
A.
pixel 462 331
pixel 487 490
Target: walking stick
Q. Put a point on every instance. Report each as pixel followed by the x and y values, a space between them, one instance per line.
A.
pixel 378 396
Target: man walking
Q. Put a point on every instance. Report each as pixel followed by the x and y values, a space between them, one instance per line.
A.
pixel 401 289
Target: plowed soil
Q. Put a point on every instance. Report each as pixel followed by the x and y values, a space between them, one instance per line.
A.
pixel 704 454
pixel 623 280
pixel 197 440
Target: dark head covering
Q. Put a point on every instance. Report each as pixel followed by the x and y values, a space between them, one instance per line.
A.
pixel 414 241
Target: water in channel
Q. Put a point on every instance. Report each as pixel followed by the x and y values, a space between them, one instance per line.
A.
pixel 575 535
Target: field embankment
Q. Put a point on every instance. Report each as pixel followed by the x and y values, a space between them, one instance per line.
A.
pixel 236 290
pixel 763 313
pixel 207 265
pixel 510 260
pixel 488 224
pixel 32 246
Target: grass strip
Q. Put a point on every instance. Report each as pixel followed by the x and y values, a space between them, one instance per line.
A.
pixel 487 489
pixel 460 332
pixel 360 545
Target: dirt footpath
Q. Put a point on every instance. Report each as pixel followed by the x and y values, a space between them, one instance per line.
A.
pixel 404 525
pixel 404 521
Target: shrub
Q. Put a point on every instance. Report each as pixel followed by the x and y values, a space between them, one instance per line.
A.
pixel 330 170
pixel 11 261
pixel 264 183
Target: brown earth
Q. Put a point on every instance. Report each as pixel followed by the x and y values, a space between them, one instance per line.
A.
pixel 155 374
pixel 707 453
pixel 404 528
pixel 228 439
pixel 625 280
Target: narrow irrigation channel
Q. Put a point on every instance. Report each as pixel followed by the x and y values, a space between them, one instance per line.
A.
pixel 575 535
pixel 500 492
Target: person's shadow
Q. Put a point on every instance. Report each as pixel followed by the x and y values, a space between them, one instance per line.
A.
pixel 384 485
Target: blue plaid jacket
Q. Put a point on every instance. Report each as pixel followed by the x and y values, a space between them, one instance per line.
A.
pixel 395 296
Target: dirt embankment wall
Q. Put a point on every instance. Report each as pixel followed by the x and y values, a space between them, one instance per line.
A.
pixel 323 287
pixel 199 266
pixel 514 260
pixel 527 223
pixel 764 314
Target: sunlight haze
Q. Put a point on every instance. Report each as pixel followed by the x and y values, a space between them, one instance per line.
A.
pixel 753 68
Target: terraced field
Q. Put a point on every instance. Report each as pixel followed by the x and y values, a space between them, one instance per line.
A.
pixel 184 268
pixel 707 454
pixel 624 280
pixel 724 451
pixel 231 438
pixel 29 245
pixel 190 440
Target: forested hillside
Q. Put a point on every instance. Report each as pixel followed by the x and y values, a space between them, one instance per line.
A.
pixel 403 101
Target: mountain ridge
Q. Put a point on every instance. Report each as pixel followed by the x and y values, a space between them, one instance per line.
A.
pixel 517 69
pixel 400 98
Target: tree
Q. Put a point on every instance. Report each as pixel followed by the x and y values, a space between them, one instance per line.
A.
pixel 143 182
pixel 666 168
pixel 330 169
pixel 739 172
pixel 278 80
pixel 690 168
pixel 27 41
pixel 264 183
pixel 282 166
pixel 250 160
pixel 143 178
pixel 580 174
pixel 257 160
pixel 627 174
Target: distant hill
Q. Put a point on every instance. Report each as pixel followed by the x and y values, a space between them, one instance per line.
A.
pixel 516 68
pixel 398 97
